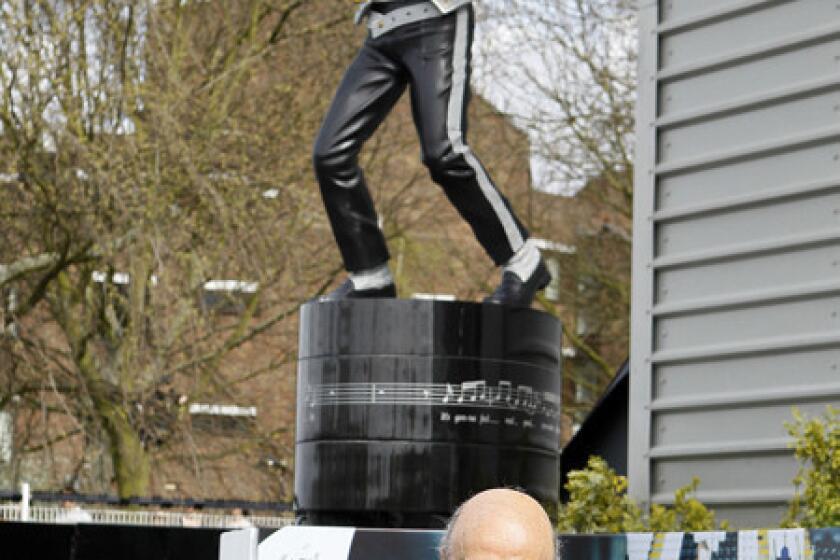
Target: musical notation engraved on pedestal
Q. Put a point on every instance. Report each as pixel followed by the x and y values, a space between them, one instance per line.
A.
pixel 475 394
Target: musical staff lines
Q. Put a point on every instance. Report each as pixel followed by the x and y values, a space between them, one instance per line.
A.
pixel 476 394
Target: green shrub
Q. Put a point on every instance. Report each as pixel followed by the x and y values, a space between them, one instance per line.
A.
pixel 687 514
pixel 598 503
pixel 816 502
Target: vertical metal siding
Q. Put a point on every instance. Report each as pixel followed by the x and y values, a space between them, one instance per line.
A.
pixel 736 265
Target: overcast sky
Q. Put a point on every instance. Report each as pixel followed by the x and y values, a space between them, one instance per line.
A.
pixel 531 64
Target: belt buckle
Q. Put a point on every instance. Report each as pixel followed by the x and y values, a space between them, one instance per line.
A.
pixel 376 23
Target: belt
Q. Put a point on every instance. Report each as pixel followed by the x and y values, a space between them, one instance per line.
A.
pixel 366 7
pixel 380 24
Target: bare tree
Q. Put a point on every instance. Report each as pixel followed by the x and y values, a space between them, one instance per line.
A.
pixel 565 72
pixel 146 150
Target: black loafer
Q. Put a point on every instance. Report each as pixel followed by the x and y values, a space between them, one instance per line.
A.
pixel 516 293
pixel 348 291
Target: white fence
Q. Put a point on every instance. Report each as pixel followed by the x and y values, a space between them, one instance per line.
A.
pixel 38 514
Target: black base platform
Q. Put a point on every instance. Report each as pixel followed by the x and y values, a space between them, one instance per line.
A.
pixel 406 408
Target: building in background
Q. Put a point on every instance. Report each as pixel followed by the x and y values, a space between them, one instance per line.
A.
pixel 736 301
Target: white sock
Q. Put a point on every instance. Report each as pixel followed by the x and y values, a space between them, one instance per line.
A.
pixel 524 262
pixel 373 278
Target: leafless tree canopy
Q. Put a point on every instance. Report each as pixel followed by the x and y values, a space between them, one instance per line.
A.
pixel 145 153
pixel 148 147
pixel 565 72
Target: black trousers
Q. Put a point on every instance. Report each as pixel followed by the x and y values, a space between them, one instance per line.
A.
pixel 432 57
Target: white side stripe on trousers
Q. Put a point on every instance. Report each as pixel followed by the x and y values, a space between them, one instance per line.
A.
pixel 456 135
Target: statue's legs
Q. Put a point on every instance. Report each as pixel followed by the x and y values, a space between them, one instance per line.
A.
pixel 433 56
pixel 439 68
pixel 370 88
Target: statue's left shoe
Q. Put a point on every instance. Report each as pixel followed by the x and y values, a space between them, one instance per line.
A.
pixel 348 291
pixel 515 292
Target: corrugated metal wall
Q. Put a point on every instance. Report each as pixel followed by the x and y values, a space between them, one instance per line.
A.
pixel 736 315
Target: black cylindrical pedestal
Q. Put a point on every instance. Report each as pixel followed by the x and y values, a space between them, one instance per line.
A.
pixel 405 408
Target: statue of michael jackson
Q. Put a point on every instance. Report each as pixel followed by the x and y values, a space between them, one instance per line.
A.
pixel 424 45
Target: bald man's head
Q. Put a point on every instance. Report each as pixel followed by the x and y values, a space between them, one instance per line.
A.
pixel 499 524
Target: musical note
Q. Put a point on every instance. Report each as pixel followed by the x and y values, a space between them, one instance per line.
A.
pixel 469 389
pixel 536 403
pixel 482 395
pixel 551 398
pixel 477 393
pixel 523 396
pixel 450 394
pixel 492 396
pixel 505 392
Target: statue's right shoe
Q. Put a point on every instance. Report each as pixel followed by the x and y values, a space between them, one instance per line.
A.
pixel 514 292
pixel 347 291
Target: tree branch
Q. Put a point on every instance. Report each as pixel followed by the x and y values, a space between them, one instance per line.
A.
pixel 26 265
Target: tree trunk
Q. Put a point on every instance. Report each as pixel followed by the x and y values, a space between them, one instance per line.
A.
pixel 132 467
pixel 131 462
